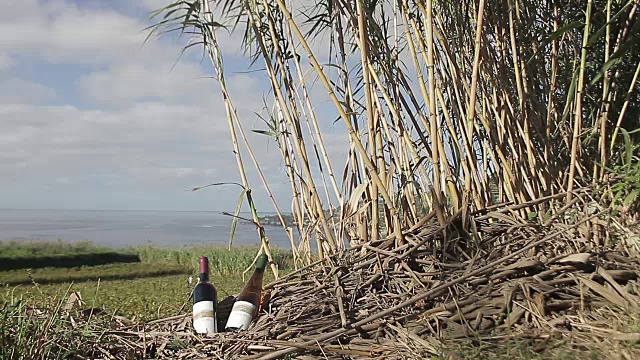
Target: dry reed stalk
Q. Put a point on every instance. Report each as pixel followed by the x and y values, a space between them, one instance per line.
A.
pixel 577 124
pixel 437 117
pixel 213 52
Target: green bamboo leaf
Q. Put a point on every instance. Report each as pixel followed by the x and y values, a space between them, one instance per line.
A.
pixel 609 64
pixel 616 57
pixel 163 9
pixel 214 24
pixel 596 36
pixel 628 150
pixel 629 199
pixel 216 184
pixel 617 187
pixel 156 27
pixel 556 35
pixel 264 132
pixel 234 222
pixel 192 8
pixel 571 94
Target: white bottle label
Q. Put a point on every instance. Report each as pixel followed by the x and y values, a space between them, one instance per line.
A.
pixel 241 315
pixel 204 318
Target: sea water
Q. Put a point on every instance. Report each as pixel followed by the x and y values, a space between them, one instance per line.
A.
pixel 116 229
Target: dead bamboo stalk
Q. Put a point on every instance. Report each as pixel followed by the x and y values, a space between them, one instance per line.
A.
pixel 343 115
pixel 364 58
pixel 577 124
pixel 215 57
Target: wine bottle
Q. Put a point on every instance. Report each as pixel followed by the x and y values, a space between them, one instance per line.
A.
pixel 246 305
pixel 204 301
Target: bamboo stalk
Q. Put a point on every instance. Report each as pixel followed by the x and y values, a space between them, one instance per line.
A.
pixel 625 105
pixel 436 115
pixel 474 77
pixel 298 141
pixel 216 59
pixel 370 166
pixel 372 130
pixel 551 109
pixel 577 124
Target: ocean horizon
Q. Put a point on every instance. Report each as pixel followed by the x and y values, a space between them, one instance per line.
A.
pixel 123 228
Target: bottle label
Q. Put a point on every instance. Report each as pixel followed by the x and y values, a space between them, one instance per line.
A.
pixel 204 318
pixel 241 315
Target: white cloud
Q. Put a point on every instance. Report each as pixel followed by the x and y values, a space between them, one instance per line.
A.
pixel 148 147
pixel 58 31
pixel 187 172
pixel 18 91
pixel 127 83
pixel 67 140
pixel 140 125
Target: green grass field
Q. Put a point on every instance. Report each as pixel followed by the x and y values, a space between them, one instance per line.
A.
pixel 27 249
pixel 156 286
pixel 221 260
pixel 137 299
pixel 117 271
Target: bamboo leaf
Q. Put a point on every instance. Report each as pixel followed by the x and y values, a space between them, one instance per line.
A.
pixel 571 94
pixel 628 149
pixel 596 36
pixel 356 194
pixel 578 258
pixel 264 132
pixel 610 63
pixel 610 295
pixel 159 11
pixel 616 57
pixel 234 222
pixel 216 184
pixel 556 35
pixel 631 198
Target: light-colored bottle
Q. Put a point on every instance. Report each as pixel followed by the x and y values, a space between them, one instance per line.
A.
pixel 246 305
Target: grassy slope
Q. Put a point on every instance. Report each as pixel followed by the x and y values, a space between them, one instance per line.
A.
pixel 221 260
pixel 26 249
pixel 16 255
pixel 156 286
pixel 144 298
pixel 87 273
pixel 27 253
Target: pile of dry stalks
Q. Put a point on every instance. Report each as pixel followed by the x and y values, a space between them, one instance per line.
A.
pixel 539 280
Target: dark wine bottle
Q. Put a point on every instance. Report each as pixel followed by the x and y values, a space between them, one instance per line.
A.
pixel 204 301
pixel 246 305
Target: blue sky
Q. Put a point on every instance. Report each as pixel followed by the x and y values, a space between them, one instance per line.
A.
pixel 92 118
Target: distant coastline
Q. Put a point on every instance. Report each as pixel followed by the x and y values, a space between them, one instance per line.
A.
pixel 117 229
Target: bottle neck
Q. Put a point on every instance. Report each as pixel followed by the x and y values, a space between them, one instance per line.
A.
pixel 255 278
pixel 262 263
pixel 204 269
